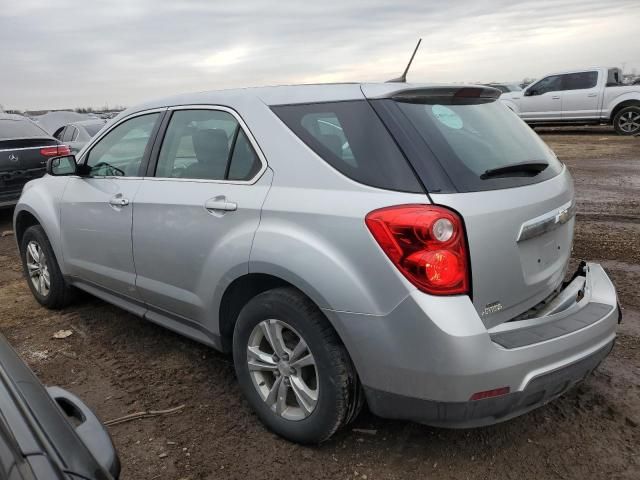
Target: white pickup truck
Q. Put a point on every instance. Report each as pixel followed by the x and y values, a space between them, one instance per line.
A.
pixel 579 97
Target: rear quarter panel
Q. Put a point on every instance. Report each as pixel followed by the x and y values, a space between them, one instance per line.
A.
pixel 614 96
pixel 318 241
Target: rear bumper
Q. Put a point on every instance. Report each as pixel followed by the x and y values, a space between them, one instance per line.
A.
pixel 539 390
pixel 424 360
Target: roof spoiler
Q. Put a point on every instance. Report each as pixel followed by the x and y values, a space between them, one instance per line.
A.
pixel 448 94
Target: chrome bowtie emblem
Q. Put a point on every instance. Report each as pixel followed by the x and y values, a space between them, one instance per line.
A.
pixel 13 157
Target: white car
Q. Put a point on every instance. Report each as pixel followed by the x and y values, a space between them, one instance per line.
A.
pixel 579 97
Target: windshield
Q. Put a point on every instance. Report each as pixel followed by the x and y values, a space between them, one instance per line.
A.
pixel 478 136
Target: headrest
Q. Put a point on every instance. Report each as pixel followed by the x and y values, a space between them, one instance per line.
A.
pixel 211 145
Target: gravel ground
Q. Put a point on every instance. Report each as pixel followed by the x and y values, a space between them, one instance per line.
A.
pixel 120 364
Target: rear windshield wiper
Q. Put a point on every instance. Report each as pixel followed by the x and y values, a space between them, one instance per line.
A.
pixel 532 168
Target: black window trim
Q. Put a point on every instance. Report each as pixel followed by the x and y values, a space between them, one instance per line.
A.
pixel 150 172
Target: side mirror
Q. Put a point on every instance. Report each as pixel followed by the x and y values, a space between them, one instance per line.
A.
pixel 529 92
pixel 62 166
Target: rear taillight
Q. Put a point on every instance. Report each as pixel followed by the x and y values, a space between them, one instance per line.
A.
pixel 426 243
pixel 55 151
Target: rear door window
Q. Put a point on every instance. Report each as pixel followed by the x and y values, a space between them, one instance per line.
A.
pixel 206 144
pixel 579 81
pixel 351 138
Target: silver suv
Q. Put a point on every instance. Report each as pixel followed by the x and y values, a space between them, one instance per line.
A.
pixel 403 245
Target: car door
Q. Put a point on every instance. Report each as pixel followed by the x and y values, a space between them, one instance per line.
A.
pixel 581 95
pixel 542 101
pixel 196 213
pixel 96 209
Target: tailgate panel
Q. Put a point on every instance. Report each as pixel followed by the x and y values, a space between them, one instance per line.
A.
pixel 510 272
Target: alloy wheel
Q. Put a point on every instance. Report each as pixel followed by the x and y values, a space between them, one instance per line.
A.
pixel 38 268
pixel 629 122
pixel 283 370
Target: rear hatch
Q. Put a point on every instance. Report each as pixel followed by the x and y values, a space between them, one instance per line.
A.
pixel 478 158
pixel 23 153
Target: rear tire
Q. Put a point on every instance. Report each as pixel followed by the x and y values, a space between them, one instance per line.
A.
pixel 41 270
pixel 627 121
pixel 305 404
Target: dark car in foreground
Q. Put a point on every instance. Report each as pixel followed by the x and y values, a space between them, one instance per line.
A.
pixel 24 150
pixel 48 433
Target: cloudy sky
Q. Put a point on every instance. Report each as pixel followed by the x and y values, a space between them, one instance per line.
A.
pixel 69 53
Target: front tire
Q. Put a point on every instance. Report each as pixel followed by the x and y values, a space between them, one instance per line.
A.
pixel 627 121
pixel 292 367
pixel 42 271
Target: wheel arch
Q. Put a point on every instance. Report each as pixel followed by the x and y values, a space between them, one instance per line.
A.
pixel 633 102
pixel 244 288
pixel 38 206
pixel 24 219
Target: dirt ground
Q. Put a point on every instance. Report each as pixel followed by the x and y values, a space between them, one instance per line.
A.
pixel 120 364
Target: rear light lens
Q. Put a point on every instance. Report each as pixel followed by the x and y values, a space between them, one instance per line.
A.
pixel 55 151
pixel 426 243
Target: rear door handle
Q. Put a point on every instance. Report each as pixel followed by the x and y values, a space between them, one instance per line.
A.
pixel 119 201
pixel 556 98
pixel 220 204
pixel 592 95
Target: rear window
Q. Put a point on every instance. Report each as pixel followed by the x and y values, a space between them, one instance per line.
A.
pixel 10 129
pixel 352 139
pixel 93 129
pixel 474 139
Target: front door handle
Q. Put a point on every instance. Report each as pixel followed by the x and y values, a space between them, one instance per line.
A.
pixel 119 201
pixel 592 95
pixel 556 98
pixel 220 204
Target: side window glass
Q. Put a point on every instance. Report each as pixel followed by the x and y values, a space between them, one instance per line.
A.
pixel 351 138
pixel 207 145
pixel 119 153
pixel 74 136
pixel 197 145
pixel 327 129
pixel 548 84
pixel 580 81
pixel 67 135
pixel 244 161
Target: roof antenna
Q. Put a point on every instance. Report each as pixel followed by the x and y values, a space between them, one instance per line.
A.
pixel 403 78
